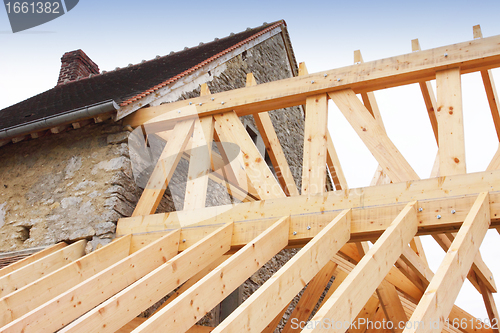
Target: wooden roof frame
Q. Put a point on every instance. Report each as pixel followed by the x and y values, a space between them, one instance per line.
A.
pixel 390 281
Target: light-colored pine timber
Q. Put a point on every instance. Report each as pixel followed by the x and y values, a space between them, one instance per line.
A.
pixel 30 259
pixel 369 204
pixel 333 163
pixel 93 291
pixel 428 94
pixel 495 161
pixel 42 290
pixel 197 277
pixel 230 129
pixel 130 302
pixel 391 305
pixel 450 122
pixel 273 147
pixel 199 163
pixel 374 137
pixel 356 289
pixel 315 138
pixel 437 302
pixel 262 307
pixel 310 296
pixel 164 169
pixel 491 307
pixel 195 302
pixel 360 323
pixel 478 266
pixel 40 268
pixel 332 160
pixel 370 76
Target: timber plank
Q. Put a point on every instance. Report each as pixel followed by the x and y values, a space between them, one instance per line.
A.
pixel 42 290
pixel 450 275
pixel 194 303
pixel 43 266
pixel 131 301
pixel 88 294
pixel 356 289
pixel 268 301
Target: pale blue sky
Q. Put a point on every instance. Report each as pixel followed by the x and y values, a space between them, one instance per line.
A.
pixel 324 34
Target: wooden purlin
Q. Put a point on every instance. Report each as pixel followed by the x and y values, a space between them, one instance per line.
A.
pixel 471 56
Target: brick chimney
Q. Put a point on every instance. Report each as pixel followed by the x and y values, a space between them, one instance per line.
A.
pixel 75 64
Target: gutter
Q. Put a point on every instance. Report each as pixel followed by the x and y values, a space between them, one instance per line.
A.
pixel 89 111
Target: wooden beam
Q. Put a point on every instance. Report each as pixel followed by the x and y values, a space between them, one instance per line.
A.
pixel 314 163
pixel 204 90
pixel 194 279
pixel 478 266
pixel 192 305
pixel 271 327
pixel 59 129
pixel 199 164
pixel 450 121
pixel 374 137
pixel 388 297
pixel 75 302
pixel 428 94
pixel 368 98
pixel 333 163
pixel 391 305
pixel 356 289
pixel 373 210
pixel 81 123
pixel 495 161
pixel 28 298
pixel 273 147
pixel 43 266
pixel 450 275
pixel 491 307
pixel 268 301
pixel 130 302
pixel 332 160
pixel 310 296
pixel 30 259
pixel 471 56
pixel 164 169
pixel 489 85
pixel 230 129
pixel 367 313
pixel 418 266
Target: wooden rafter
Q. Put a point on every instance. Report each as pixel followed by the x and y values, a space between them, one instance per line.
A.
pixel 26 299
pixel 272 296
pixel 356 289
pixel 374 137
pixel 450 275
pixel 130 302
pixel 88 294
pixel 188 308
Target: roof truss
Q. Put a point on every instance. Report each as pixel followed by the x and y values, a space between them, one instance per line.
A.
pixel 210 251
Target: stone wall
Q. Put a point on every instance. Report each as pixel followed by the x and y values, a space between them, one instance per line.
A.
pixel 65 187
